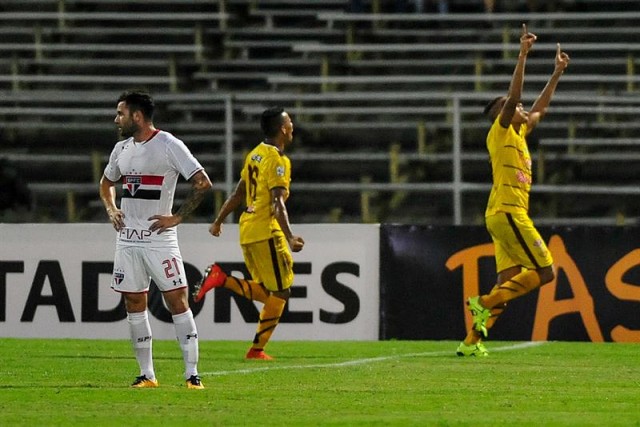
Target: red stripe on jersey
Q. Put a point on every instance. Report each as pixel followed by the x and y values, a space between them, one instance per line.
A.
pixel 152 179
pixel 144 179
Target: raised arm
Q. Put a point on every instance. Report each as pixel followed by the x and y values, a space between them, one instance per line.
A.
pixel 539 108
pixel 515 88
pixel 231 204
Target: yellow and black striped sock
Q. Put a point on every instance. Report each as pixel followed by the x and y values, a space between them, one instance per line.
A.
pixel 269 319
pixel 247 288
pixel 515 287
pixel 496 311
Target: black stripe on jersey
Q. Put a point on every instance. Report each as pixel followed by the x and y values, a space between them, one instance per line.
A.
pixel 274 262
pixel 514 186
pixel 513 205
pixel 528 172
pixel 526 249
pixel 142 194
pixel 514 147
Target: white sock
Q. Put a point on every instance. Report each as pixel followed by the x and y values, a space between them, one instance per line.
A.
pixel 187 335
pixel 142 344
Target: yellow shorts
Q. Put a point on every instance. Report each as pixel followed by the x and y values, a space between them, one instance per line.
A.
pixel 270 262
pixel 517 242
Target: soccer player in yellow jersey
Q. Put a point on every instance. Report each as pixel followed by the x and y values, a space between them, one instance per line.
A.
pixel 523 262
pixel 265 233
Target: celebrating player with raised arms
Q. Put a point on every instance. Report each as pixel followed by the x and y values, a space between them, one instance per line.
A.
pixel 523 262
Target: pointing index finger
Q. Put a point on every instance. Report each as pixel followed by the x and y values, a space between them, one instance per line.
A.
pixel 524 29
pixel 558 50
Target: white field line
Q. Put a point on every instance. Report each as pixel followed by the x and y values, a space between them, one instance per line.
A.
pixel 360 361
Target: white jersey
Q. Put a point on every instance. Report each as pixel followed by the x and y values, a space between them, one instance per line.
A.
pixel 149 171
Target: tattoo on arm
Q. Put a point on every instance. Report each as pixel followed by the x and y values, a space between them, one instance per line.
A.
pixel 199 187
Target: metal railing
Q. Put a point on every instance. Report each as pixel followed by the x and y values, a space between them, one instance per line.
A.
pixel 458 106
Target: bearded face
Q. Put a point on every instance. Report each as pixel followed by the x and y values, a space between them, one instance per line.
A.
pixel 127 127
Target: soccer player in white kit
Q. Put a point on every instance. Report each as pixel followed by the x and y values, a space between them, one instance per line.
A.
pixel 147 162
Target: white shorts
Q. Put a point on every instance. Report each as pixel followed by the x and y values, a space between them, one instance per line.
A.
pixel 134 267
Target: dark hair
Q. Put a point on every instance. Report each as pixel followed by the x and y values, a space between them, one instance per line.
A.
pixel 490 105
pixel 138 101
pixel 271 120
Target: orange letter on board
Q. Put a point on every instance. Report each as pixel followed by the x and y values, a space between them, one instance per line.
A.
pixel 468 259
pixel 582 302
pixel 624 291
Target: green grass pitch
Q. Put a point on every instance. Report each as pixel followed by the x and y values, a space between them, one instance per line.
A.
pixel 401 383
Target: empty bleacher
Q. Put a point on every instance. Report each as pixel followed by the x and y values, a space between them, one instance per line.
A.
pixel 386 106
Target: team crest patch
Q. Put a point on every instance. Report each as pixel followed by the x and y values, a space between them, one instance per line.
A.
pixel 133 183
pixel 280 171
pixel 540 247
pixel 118 277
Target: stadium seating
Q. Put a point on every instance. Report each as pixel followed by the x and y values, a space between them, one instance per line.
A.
pixel 386 105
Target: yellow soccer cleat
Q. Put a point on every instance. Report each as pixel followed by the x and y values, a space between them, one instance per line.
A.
pixel 143 382
pixel 194 382
pixel 480 315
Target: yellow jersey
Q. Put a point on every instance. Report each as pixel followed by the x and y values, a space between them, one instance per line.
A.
pixel 511 169
pixel 265 168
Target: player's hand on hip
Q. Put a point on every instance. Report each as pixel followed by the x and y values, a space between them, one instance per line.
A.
pixel 163 222
pixel 116 217
pixel 296 243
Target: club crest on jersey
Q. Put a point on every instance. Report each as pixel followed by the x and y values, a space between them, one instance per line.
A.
pixel 133 183
pixel 256 158
pixel 118 277
pixel 280 171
